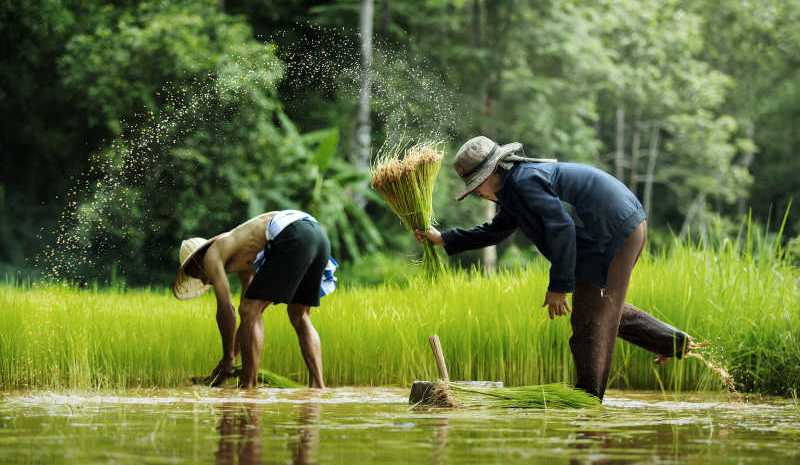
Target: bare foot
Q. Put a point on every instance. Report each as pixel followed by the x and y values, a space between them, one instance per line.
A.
pixel 690 347
pixel 220 374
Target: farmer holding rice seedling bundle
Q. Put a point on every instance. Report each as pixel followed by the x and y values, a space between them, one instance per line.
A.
pixel 279 257
pixel 589 226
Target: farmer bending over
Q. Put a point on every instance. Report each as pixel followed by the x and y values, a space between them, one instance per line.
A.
pixel 590 227
pixel 279 257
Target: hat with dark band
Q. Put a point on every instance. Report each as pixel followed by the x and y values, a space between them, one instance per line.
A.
pixel 478 158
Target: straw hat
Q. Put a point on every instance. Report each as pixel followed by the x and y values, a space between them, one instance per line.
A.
pixel 479 156
pixel 477 159
pixel 187 287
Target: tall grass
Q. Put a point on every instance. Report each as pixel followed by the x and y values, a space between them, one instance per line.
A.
pixel 491 329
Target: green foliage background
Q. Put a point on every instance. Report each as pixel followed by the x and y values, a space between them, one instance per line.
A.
pixel 130 125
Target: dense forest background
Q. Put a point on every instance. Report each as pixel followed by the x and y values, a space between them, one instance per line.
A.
pixel 128 126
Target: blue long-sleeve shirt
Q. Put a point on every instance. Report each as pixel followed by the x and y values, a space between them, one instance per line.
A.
pixel 577 216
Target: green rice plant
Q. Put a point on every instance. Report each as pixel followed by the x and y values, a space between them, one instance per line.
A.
pixel 271 379
pixel 405 180
pixel 263 377
pixel 554 395
pixel 748 309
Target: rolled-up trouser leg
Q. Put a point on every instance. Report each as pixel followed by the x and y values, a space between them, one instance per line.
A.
pixel 596 317
pixel 594 332
pixel 650 333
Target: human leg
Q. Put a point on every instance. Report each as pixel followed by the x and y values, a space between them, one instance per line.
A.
pixel 307 336
pixel 307 295
pixel 251 338
pixel 594 330
pixel 652 334
pixel 596 317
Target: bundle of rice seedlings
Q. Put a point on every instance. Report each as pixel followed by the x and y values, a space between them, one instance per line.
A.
pixel 405 179
pixel 264 378
pixel 268 378
pixel 543 396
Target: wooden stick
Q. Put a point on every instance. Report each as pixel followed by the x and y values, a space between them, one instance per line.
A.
pixel 436 347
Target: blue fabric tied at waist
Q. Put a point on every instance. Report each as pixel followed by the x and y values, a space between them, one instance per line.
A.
pixel 276 225
pixel 328 279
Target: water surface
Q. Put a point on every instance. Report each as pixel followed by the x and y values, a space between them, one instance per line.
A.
pixel 376 426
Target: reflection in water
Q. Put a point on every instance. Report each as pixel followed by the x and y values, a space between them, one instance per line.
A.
pixel 439 456
pixel 307 439
pixel 282 427
pixel 608 447
pixel 239 435
pixel 592 439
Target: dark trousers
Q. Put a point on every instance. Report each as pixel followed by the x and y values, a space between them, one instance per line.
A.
pixel 598 317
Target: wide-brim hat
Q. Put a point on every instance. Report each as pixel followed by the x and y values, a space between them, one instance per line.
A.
pixel 192 250
pixel 477 159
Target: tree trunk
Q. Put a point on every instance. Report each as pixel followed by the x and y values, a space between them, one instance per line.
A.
pixel 696 207
pixel 619 158
pixel 476 23
pixel 651 169
pixel 386 17
pixel 488 254
pixel 362 142
pixel 747 160
pixel 632 179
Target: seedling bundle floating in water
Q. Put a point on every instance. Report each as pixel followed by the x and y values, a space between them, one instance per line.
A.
pixel 483 394
pixel 556 395
pixel 405 179
pixel 268 378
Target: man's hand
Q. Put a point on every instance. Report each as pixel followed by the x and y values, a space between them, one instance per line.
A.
pixel 556 303
pixel 432 235
pixel 220 373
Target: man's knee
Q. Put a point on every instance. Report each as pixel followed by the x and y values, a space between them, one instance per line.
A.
pixel 252 308
pixel 297 314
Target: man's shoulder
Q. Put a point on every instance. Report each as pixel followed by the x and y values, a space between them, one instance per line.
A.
pixel 263 217
pixel 524 172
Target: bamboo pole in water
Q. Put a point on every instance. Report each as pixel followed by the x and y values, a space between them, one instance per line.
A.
pixel 438 355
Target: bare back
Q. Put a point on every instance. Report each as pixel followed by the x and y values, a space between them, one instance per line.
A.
pixel 238 247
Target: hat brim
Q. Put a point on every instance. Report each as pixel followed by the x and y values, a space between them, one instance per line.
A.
pixel 188 287
pixel 477 178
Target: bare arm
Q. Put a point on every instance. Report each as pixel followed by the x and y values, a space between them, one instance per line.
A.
pixel 245 277
pixel 214 268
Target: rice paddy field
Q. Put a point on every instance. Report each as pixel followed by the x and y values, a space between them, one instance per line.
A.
pixel 98 376
pixel 492 328
pixel 369 426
